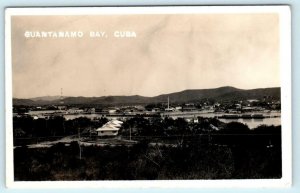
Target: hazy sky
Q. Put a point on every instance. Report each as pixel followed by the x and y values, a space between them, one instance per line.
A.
pixel 170 53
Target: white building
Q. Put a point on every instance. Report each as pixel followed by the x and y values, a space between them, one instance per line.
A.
pixel 74 111
pixel 111 128
pixel 112 111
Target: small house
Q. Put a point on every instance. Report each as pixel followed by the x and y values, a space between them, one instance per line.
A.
pixel 111 128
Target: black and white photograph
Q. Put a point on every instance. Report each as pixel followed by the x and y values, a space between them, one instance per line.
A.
pixel 154 94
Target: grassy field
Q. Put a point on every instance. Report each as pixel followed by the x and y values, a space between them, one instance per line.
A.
pixel 163 149
pixel 142 161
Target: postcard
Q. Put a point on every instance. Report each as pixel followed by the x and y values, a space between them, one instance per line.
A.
pixel 163 96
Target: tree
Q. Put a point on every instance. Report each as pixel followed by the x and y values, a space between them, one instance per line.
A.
pixel 235 128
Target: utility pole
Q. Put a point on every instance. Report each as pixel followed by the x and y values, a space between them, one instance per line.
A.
pixel 90 131
pixel 61 96
pixel 64 125
pixel 130 133
pixel 79 143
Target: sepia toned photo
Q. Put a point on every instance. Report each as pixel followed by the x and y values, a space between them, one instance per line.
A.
pixel 158 94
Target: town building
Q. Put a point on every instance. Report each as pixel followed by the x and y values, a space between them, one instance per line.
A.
pixel 109 129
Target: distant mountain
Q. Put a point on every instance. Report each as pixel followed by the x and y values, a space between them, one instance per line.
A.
pixel 25 102
pixel 197 94
pixel 219 94
pixel 44 100
pixel 259 93
pixel 108 100
pixel 47 98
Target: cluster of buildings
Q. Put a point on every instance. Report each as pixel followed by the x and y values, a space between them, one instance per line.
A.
pixel 247 109
pixel 226 106
pixel 232 107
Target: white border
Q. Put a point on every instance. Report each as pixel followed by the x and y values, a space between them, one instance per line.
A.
pixel 285 70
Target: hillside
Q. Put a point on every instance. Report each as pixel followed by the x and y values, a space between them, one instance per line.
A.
pixel 222 93
pixel 47 98
pixel 25 102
